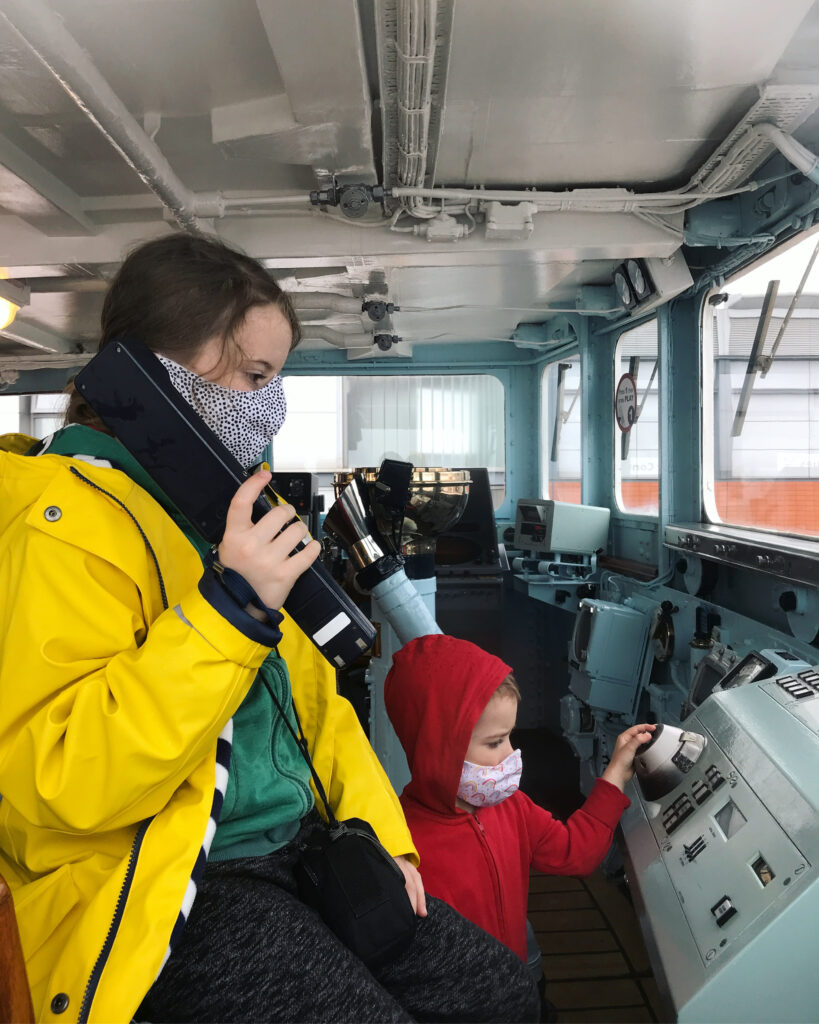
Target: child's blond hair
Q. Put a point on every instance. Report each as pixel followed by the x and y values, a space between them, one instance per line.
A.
pixel 508 688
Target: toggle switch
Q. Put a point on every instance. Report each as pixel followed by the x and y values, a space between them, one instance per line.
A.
pixel 723 910
pixel 693 850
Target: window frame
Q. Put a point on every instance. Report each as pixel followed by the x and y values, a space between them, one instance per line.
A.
pixel 325 477
pixel 619 510
pixel 545 428
pixel 710 514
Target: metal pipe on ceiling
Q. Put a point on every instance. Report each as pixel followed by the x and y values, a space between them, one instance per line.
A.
pixel 302 301
pixel 44 361
pixel 330 301
pixel 589 200
pixel 338 339
pixel 801 157
pixel 53 285
pixel 48 38
pixel 206 204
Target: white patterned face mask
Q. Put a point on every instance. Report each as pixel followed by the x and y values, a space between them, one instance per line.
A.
pixel 244 421
pixel 485 784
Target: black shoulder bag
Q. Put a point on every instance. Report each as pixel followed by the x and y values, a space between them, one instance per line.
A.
pixel 349 879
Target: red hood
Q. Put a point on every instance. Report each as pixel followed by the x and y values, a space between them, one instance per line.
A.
pixel 434 693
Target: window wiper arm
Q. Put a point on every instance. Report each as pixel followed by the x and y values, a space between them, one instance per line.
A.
pixel 766 361
pixel 560 416
pixel 754 359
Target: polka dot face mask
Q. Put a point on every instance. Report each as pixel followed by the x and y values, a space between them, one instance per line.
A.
pixel 244 421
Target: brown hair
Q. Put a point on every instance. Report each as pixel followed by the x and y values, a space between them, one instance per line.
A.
pixel 176 292
pixel 508 688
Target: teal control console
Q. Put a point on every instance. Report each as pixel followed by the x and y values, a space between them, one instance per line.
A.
pixel 723 870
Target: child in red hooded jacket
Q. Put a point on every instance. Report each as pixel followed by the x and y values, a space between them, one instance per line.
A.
pixel 453 707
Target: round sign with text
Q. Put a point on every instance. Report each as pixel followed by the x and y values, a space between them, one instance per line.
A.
pixel 625 402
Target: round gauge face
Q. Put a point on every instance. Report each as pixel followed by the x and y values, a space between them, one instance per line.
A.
pixel 637 276
pixel 622 286
pixel 625 403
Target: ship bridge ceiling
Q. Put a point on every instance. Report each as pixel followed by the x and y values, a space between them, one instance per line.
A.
pixel 586 129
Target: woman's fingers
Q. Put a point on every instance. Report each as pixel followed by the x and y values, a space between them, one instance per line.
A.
pixel 280 527
pixel 302 560
pixel 261 552
pixel 240 522
pixel 241 504
pixel 421 905
pixel 286 540
pixel 414 886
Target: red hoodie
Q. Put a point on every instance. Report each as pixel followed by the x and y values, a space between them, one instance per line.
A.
pixel 479 863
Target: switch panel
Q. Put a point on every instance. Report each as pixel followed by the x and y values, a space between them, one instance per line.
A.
pixel 795 687
pixel 725 866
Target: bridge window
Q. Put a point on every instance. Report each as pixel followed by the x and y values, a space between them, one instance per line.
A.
pixel 454 421
pixel 761 397
pixel 637 450
pixel 36 415
pixel 560 409
pixel 9 414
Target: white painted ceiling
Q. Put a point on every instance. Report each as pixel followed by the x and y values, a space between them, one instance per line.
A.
pixel 262 99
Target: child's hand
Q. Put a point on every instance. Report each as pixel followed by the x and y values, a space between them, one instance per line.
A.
pixel 621 766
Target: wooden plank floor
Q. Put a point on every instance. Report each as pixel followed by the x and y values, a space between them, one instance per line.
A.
pixel 594 958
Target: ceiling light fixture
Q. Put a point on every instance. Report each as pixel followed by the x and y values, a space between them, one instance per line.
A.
pixel 12 298
pixel 8 311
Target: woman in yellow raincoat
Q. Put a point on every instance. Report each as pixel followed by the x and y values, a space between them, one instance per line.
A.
pixel 152 801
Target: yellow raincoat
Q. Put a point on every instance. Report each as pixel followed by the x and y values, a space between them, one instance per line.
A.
pixel 106 725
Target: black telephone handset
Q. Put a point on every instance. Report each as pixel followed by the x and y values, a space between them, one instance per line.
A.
pixel 131 392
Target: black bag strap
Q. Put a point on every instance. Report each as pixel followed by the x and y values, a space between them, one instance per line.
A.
pixel 301 743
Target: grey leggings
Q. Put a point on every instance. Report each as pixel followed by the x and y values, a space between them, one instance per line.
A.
pixel 251 951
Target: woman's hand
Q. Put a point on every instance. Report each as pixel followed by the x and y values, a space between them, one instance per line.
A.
pixel 621 766
pixel 260 552
pixel 415 887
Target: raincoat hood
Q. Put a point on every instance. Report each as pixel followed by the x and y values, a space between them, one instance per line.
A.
pixel 435 693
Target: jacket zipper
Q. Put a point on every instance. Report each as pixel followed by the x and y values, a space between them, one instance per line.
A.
pixel 136 845
pixel 498 892
pixel 113 928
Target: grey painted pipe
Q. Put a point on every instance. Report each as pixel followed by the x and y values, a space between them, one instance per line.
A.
pixel 49 39
pixel 404 608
